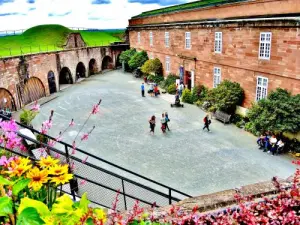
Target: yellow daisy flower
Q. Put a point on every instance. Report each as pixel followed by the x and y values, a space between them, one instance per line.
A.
pixel 47 162
pixel 58 169
pixel 18 170
pixel 62 179
pixel 38 178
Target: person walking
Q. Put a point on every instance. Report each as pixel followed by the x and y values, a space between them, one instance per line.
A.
pixel 152 124
pixel 155 90
pixel 207 122
pixel 143 90
pixel 167 120
pixel 163 123
pixel 151 89
pixel 181 87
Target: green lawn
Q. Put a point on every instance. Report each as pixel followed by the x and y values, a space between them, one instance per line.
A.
pixel 50 38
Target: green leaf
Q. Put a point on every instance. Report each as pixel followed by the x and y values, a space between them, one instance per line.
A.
pixel 29 216
pixel 6 206
pixel 19 186
pixel 89 221
pixel 41 208
pixel 4 181
pixel 84 203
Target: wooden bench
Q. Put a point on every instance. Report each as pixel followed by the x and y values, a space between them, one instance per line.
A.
pixel 222 116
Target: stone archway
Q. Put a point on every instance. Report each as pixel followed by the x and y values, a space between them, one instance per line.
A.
pixel 7 100
pixel 80 70
pixel 93 67
pixel 107 63
pixel 118 63
pixel 33 90
pixel 51 82
pixel 65 76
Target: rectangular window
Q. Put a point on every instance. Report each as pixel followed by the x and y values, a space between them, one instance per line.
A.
pixel 261 88
pixel 168 64
pixel 265 45
pixel 218 42
pixel 167 39
pixel 217 76
pixel 151 38
pixel 139 38
pixel 188 40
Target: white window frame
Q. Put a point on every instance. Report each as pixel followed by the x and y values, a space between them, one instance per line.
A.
pixel 217 76
pixel 139 37
pixel 261 88
pixel 151 38
pixel 167 39
pixel 218 42
pixel 168 64
pixel 188 42
pixel 265 42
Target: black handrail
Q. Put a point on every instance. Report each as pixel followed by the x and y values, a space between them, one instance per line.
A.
pixel 132 184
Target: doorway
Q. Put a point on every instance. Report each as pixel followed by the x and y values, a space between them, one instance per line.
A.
pixel 188 79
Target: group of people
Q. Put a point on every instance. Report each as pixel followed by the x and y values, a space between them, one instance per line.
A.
pixel 269 143
pixel 179 89
pixel 153 89
pixel 164 123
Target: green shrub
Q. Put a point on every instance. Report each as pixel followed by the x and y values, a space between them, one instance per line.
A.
pixel 226 96
pixel 278 113
pixel 199 103
pixel 138 60
pixel 171 79
pixel 152 66
pixel 27 116
pixel 126 56
pixel 199 93
pixel 236 118
pixel 158 78
pixel 240 124
pixel 187 96
pixel 172 89
pixel 150 78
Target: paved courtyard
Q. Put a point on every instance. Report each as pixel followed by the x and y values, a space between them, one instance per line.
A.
pixel 187 158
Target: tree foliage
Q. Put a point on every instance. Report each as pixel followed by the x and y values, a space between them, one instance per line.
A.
pixel 280 112
pixel 152 66
pixel 226 96
pixel 187 96
pixel 199 93
pixel 171 79
pixel 172 89
pixel 126 55
pixel 138 60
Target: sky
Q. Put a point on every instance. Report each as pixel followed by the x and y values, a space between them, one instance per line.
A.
pixel 101 14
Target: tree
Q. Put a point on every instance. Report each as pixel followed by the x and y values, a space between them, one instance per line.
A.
pixel 152 66
pixel 138 59
pixel 278 113
pixel 226 96
pixel 126 56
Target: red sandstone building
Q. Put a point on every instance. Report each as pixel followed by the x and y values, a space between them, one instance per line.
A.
pixel 253 42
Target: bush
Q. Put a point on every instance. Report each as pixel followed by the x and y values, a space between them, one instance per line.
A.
pixel 199 93
pixel 152 66
pixel 171 79
pixel 151 78
pixel 27 116
pixel 138 60
pixel 172 89
pixel 126 56
pixel 226 96
pixel 278 113
pixel 199 103
pixel 158 79
pixel 187 96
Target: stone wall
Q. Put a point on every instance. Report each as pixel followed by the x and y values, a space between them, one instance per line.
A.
pixel 74 40
pixel 15 70
pixel 233 10
pixel 239 59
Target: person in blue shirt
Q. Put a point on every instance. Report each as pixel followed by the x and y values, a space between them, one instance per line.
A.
pixel 143 90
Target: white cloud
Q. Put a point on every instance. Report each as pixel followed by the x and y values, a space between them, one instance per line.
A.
pixel 82 13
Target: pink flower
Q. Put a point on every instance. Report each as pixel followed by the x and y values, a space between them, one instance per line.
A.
pixel 95 109
pixel 83 182
pixel 72 123
pixel 47 124
pixel 9 193
pixel 84 137
pixel 72 166
pixel 9 126
pixel 51 143
pixel 4 161
pixel 57 156
pixel 36 107
pixel 84 161
pixel 73 148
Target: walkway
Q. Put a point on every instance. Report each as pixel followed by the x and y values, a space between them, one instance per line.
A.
pixel 187 158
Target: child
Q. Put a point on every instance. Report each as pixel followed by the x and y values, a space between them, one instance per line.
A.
pixel 207 122
pixel 167 120
pixel 152 124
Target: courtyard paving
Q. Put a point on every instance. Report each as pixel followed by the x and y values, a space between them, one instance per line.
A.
pixel 186 158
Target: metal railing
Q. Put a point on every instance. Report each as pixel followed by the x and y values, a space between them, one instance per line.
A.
pixel 102 179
